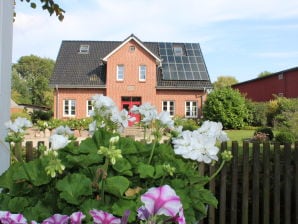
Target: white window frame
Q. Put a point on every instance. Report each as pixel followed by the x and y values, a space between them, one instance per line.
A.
pixel 166 106
pixel 178 50
pixel 142 73
pixel 192 109
pixel 84 49
pixel 120 72
pixel 68 104
pixel 89 105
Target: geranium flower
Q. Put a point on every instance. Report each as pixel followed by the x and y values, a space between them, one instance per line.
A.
pixel 56 219
pixel 19 124
pixel 148 112
pixel 58 141
pixel 101 217
pixel 213 129
pixel 9 218
pixel 63 130
pixel 165 118
pixel 159 201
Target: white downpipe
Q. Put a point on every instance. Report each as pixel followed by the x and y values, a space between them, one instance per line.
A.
pixel 6 29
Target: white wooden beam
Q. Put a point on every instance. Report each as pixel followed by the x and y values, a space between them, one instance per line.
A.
pixel 6 29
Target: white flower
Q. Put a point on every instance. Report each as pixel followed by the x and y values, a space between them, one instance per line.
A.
pixel 63 130
pixel 211 128
pixel 148 112
pixel 196 146
pixel 101 101
pixel 19 124
pixel 114 140
pixel 166 119
pixel 58 141
pixel 92 127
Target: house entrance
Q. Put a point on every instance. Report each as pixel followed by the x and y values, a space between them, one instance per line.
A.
pixel 127 102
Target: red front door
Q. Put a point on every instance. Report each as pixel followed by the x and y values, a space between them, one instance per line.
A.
pixel 127 103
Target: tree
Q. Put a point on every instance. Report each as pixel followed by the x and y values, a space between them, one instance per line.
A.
pixel 263 74
pixel 31 79
pixel 51 6
pixel 224 81
pixel 227 106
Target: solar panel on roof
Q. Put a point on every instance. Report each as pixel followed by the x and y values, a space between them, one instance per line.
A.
pixel 190 66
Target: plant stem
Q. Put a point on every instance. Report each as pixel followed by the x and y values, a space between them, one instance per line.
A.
pixel 217 171
pixel 152 151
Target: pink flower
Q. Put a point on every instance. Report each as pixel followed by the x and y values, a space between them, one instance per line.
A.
pixel 56 219
pixel 76 218
pixel 101 217
pixel 8 218
pixel 159 201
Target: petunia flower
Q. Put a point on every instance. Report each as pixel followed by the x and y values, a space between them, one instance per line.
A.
pixel 76 217
pixel 9 218
pixel 101 217
pixel 56 219
pixel 159 201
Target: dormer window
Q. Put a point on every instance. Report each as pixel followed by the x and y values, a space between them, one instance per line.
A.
pixel 132 48
pixel 84 49
pixel 178 51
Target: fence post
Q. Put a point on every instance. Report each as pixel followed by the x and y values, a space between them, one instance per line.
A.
pixel 276 184
pixel 211 209
pixel 223 190
pixel 287 190
pixel 245 182
pixel 256 183
pixel 234 183
pixel 266 183
pixel 29 151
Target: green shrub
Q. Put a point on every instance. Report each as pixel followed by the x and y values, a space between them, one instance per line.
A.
pixel 285 137
pixel 41 115
pixel 266 130
pixel 227 106
pixel 186 123
pixel 258 111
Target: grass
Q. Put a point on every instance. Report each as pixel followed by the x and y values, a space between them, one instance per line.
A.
pixel 239 135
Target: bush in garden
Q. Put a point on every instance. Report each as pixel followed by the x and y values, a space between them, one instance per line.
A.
pixel 187 124
pixel 41 115
pixel 267 131
pixel 285 137
pixel 115 174
pixel 227 106
pixel 258 111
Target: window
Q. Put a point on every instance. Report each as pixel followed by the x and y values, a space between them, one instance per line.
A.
pixel 120 72
pixel 142 73
pixel 69 107
pixel 280 76
pixel 191 109
pixel 132 48
pixel 90 107
pixel 169 106
pixel 178 51
pixel 84 49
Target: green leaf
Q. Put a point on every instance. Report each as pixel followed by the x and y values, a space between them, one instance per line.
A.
pixel 121 206
pixel 74 187
pixel 90 204
pixel 38 212
pixel 18 204
pixel 116 185
pixel 123 166
pixel 127 145
pixel 87 146
pixel 85 160
pixel 145 170
pixel 159 171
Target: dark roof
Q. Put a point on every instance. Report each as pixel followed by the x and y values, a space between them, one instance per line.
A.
pixel 86 70
pixel 267 76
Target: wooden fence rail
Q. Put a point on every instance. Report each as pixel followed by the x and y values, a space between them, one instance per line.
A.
pixel 259 185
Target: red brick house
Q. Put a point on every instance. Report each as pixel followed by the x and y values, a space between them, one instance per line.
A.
pixel 283 83
pixel 170 76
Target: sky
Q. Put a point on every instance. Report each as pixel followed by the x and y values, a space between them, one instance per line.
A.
pixel 239 38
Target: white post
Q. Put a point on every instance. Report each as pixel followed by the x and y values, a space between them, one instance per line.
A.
pixel 6 27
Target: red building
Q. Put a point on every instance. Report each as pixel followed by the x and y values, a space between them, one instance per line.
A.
pixel 171 76
pixel 283 83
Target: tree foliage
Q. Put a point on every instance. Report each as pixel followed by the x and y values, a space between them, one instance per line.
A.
pixel 49 5
pixel 227 106
pixel 263 74
pixel 224 81
pixel 30 78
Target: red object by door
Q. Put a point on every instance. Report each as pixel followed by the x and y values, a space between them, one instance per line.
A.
pixel 127 103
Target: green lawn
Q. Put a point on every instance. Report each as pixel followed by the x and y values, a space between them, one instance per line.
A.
pixel 239 135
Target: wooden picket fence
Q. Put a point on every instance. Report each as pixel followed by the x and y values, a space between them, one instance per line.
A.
pixel 259 185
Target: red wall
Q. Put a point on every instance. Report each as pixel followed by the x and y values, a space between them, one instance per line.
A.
pixel 263 89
